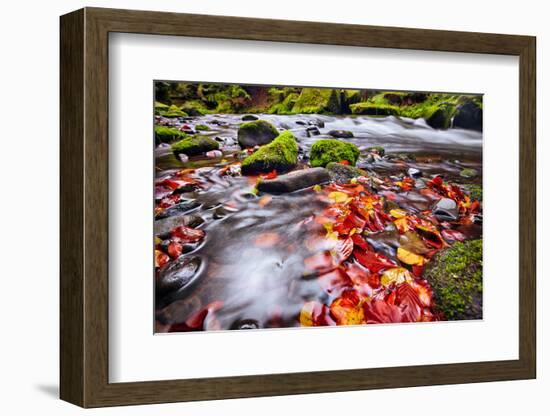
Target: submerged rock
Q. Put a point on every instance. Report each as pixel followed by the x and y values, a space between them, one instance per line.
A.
pixel 165 225
pixel 294 181
pixel 341 134
pixel 280 155
pixel 340 173
pixel 256 133
pixel 178 209
pixel 249 117
pixel 325 151
pixel 446 210
pixel 455 275
pixel 177 275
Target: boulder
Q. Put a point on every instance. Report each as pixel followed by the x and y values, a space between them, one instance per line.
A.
pixel 249 117
pixel 280 155
pixel 293 181
pixel 177 275
pixel 341 134
pixel 164 134
pixel 256 133
pixel 446 210
pixel 325 151
pixel 340 173
pixel 455 275
pixel 195 145
pixel 469 116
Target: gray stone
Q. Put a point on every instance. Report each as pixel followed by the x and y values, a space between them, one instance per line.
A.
pixel 313 131
pixel 414 173
pixel 341 134
pixel 343 173
pixel 446 210
pixel 294 181
pixel 177 275
pixel 249 117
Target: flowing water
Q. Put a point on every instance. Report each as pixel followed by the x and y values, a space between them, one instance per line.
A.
pixel 262 283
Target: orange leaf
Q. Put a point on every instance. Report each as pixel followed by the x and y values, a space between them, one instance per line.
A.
pixel 410 258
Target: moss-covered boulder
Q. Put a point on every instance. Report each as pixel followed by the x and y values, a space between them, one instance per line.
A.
pixel 468 173
pixel 325 151
pixel 312 100
pixel 164 134
pixel 202 127
pixel 195 145
pixel 439 116
pixel 173 111
pixel 280 155
pixel 160 108
pixel 340 173
pixel 455 275
pixel 256 133
pixel 373 109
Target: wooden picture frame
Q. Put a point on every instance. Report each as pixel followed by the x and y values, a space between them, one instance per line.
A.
pixel 84 207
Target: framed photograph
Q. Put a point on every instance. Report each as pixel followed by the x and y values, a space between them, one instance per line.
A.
pixel 256 207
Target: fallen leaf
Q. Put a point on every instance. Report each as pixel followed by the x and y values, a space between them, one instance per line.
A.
pixel 347 309
pixel 410 258
pixel 187 234
pixel 373 261
pixel 161 258
pixel 264 200
pixel 337 196
pixel 397 275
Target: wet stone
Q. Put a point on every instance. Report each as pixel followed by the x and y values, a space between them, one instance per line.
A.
pixel 446 210
pixel 177 275
pixel 294 181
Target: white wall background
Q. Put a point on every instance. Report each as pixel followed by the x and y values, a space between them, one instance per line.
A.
pixel 30 192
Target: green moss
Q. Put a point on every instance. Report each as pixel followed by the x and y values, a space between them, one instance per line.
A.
pixel 202 127
pixel 475 191
pixel 165 134
pixel 455 275
pixel 280 155
pixel 325 151
pixel 286 106
pixel 256 132
pixel 373 109
pixel 312 100
pixel 195 145
pixel 343 173
pixel 160 108
pixel 468 173
pixel 173 111
pixel 195 108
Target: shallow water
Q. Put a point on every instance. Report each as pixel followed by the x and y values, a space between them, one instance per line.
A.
pixel 261 280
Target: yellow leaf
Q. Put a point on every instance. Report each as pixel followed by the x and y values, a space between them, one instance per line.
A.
pixel 157 240
pixel 317 188
pixel 306 314
pixel 338 196
pixel 410 258
pixel 398 213
pixel 396 275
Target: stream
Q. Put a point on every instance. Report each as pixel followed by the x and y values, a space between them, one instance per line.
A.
pixel 250 264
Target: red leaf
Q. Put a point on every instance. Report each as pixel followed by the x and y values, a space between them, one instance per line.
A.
pixel 175 249
pixel 381 312
pixel 344 248
pixel 344 162
pixel 186 234
pixel 373 261
pixel 360 242
pixel 452 235
pixel 270 175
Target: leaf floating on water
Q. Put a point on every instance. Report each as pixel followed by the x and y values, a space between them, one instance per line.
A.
pixel 161 258
pixel 315 314
pixel 264 200
pixel 337 196
pixel 398 213
pixel 410 258
pixel 381 312
pixel 267 240
pixel 344 248
pixel 187 234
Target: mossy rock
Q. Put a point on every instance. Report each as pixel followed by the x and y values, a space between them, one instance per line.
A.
pixel 312 100
pixel 370 109
pixel 160 108
pixel 469 115
pixel 195 145
pixel 468 173
pixel 165 134
pixel 280 155
pixel 256 132
pixel 340 173
pixel 195 108
pixel 202 127
pixel 173 111
pixel 325 151
pixel 455 275
pixel 439 117
pixel 474 191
